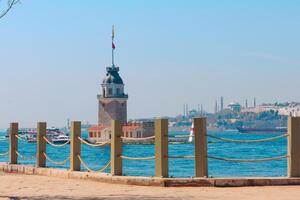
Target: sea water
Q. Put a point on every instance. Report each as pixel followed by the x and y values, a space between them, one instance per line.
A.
pixel 97 157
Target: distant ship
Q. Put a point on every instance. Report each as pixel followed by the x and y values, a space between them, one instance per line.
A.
pixel 256 130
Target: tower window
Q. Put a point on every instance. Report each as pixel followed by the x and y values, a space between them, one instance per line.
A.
pixel 110 91
pixel 118 91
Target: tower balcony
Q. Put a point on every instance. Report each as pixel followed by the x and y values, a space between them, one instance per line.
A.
pixel 100 96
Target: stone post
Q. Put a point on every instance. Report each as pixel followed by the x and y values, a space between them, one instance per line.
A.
pixel 161 148
pixel 294 147
pixel 75 146
pixel 200 147
pixel 116 148
pixel 41 144
pixel 13 143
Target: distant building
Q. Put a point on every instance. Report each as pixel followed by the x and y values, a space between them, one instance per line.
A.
pixel 102 133
pixel 235 107
pixel 291 110
pixel 260 108
pixel 288 109
pixel 193 113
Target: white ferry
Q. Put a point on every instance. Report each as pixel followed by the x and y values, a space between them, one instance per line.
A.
pixel 54 135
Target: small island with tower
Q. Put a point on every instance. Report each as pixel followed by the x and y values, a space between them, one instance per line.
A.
pixel 113 106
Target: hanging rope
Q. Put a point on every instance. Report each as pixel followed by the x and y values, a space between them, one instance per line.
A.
pixel 4 154
pixel 56 162
pixel 91 170
pixel 248 160
pixel 137 158
pixel 25 157
pixel 247 141
pixel 182 157
pixel 94 145
pixel 137 139
pixel 3 139
pixel 21 139
pixel 56 145
pixel 181 136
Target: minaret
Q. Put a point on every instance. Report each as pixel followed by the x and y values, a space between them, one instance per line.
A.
pixel 187 110
pixel 222 104
pixel 216 107
pixel 113 101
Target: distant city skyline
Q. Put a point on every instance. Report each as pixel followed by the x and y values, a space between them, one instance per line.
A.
pixel 170 53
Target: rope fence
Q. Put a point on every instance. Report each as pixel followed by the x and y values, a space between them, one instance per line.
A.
pixel 94 145
pixel 137 139
pixel 248 160
pixel 247 141
pixel 23 157
pixel 91 170
pixel 180 136
pixel 3 139
pixel 56 162
pixel 55 145
pixel 181 157
pixel 137 158
pixel 161 145
pixel 4 154
pixel 20 138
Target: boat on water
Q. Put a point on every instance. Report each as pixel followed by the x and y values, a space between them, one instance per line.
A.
pixel 2 137
pixel 61 139
pixel 54 135
pixel 258 130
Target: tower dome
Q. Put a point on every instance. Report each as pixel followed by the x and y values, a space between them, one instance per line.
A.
pixel 112 76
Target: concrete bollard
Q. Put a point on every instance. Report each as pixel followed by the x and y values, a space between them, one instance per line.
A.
pixel 116 148
pixel 75 146
pixel 13 143
pixel 161 148
pixel 41 144
pixel 200 138
pixel 294 147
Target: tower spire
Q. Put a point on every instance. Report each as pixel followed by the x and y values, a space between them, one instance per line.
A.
pixel 113 46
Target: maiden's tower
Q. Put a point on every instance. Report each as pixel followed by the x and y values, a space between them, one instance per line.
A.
pixel 112 105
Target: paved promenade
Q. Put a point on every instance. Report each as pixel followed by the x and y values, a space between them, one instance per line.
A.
pixel 19 186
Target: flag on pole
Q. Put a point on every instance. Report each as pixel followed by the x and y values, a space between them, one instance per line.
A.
pixel 113 37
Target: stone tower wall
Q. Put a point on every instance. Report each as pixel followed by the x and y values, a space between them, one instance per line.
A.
pixel 112 109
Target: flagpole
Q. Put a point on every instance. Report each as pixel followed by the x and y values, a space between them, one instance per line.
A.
pixel 112 49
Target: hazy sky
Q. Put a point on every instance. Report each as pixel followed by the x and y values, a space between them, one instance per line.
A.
pixel 54 53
